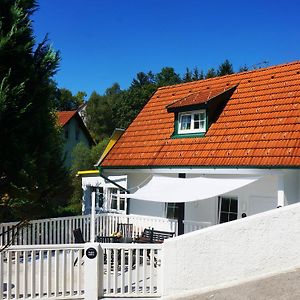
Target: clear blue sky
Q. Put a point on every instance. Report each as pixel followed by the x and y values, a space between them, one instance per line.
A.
pixel 107 41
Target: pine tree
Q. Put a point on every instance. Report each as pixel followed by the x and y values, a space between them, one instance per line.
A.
pixel 225 68
pixel 211 73
pixel 187 77
pixel 31 173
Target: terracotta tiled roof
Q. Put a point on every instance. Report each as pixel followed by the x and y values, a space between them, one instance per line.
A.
pixel 65 116
pixel 259 126
pixel 199 97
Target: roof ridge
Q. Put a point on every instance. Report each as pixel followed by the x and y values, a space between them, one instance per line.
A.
pixel 230 75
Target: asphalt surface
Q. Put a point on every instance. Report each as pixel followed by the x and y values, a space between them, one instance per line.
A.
pixel 284 286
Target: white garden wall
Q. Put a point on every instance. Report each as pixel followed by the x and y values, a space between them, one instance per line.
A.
pixel 236 251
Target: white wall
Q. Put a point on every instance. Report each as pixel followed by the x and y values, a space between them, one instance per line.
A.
pixel 291 186
pixel 254 198
pixel 240 250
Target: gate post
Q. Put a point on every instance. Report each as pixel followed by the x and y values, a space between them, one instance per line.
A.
pixel 93 271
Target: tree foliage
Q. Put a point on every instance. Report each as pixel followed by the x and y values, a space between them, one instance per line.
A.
pixel 84 158
pixel 210 73
pixel 65 100
pixel 167 76
pixel 99 112
pixel 225 68
pixel 31 173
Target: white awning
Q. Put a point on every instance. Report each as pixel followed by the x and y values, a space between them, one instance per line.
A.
pixel 170 189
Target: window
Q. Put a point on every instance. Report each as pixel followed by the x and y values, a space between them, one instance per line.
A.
pixel 114 198
pixel 228 209
pixel 192 121
pixel 117 202
pixel 171 210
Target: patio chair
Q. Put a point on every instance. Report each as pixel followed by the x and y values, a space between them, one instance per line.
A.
pixel 78 239
pixel 78 236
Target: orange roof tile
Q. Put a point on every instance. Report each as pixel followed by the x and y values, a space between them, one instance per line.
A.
pixel 199 97
pixel 65 116
pixel 259 126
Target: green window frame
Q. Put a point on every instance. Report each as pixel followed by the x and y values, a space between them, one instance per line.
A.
pixel 191 123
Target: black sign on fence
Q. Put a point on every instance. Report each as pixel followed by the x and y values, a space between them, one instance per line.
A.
pixel 91 253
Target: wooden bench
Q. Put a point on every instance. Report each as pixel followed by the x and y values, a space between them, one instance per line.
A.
pixel 154 236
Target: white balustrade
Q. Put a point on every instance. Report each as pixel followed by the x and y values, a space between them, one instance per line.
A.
pixel 60 230
pixel 43 272
pixel 190 226
pixel 132 270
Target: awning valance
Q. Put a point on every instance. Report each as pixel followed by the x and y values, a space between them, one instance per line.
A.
pixel 170 189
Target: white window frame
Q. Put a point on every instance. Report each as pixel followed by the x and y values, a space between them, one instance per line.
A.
pixel 118 198
pixel 192 114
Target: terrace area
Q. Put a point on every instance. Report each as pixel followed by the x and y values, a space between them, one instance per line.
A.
pixel 43 260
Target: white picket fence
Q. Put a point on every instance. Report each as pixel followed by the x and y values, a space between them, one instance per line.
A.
pixel 190 226
pixel 60 230
pixel 46 271
pixel 57 271
pixel 132 270
pixel 44 231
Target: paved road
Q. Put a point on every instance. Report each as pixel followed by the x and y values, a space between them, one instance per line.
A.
pixel 285 286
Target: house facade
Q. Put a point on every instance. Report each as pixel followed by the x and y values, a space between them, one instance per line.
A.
pixel 214 150
pixel 108 196
pixel 74 132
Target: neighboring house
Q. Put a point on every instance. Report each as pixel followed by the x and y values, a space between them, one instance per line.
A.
pixel 82 111
pixel 74 132
pixel 214 150
pixel 109 197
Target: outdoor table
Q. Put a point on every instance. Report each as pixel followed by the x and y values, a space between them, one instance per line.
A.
pixel 113 239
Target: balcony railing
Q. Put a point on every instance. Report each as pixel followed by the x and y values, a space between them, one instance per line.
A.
pixel 60 230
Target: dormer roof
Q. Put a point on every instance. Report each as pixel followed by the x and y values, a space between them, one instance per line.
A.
pixel 200 97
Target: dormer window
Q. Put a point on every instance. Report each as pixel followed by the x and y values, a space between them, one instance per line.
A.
pixel 192 121
pixel 194 114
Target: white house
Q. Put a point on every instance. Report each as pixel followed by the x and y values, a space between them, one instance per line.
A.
pixel 74 132
pixel 109 197
pixel 214 150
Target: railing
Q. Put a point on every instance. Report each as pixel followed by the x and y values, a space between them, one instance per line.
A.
pixel 44 231
pixel 60 230
pixel 42 272
pixel 190 226
pixel 106 224
pixel 57 272
pixel 132 270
